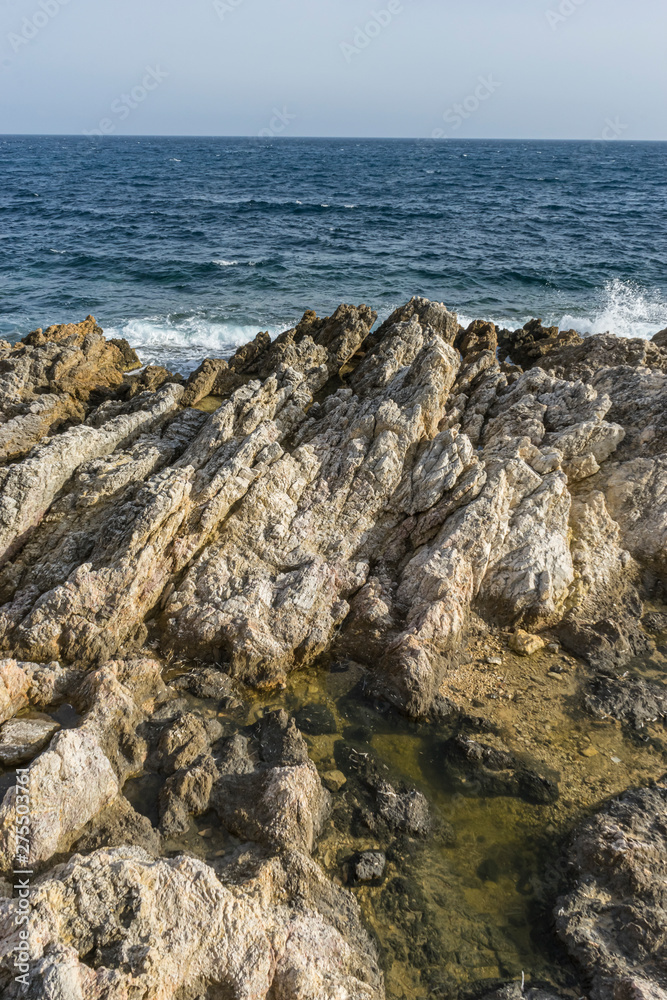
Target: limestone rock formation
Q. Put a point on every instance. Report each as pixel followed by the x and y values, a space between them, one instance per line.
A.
pixel 367 494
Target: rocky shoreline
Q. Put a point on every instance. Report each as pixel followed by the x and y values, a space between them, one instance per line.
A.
pixel 435 516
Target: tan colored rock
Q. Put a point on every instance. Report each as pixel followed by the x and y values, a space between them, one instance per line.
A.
pixel 68 784
pixel 170 928
pixel 14 685
pixel 525 644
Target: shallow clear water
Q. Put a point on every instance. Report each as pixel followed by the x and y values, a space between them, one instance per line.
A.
pixel 189 246
pixel 472 901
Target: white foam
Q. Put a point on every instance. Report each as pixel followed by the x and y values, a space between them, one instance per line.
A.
pixel 184 343
pixel 625 308
pixel 225 263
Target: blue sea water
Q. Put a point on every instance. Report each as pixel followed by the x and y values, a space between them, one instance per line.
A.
pixel 189 246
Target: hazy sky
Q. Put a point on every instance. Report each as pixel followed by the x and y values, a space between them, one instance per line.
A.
pixel 463 68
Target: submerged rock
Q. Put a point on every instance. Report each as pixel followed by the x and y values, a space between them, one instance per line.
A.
pixel 477 769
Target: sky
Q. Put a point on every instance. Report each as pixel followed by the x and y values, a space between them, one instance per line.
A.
pixel 542 69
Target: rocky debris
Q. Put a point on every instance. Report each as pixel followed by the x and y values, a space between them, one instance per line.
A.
pixel 525 644
pixel 150 379
pixel 69 784
pixel 187 793
pixel 278 799
pixel 369 866
pixel 185 740
pixel 23 739
pixel 629 699
pixel 613 919
pixel 119 923
pixel 473 768
pixel 334 780
pixel 519 991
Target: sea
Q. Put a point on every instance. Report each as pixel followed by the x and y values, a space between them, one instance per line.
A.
pixel 189 246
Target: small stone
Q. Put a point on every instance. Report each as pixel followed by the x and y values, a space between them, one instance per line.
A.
pixel 588 752
pixel 525 644
pixel 334 780
pixel 22 739
pixel 369 866
pixel 616 760
pixel 208 833
pixel 553 647
pixel 494 661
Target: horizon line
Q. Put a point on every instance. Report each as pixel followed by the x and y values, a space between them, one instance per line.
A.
pixel 444 140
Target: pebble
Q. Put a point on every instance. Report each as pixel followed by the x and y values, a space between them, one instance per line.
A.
pixel 494 661
pixel 588 752
pixel 369 866
pixel 334 780
pixel 616 760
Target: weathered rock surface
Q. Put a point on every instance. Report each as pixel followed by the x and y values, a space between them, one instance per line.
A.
pixel 341 491
pixel 385 482
pixel 22 739
pixel 614 921
pixel 279 799
pixel 119 924
pixel 68 784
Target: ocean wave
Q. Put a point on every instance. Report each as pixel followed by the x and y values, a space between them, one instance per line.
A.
pixel 625 308
pixel 225 263
pixel 184 342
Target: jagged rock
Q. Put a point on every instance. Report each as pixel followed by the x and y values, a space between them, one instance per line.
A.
pixel 22 739
pixel 280 799
pixel 151 378
pixel 389 807
pixel 358 493
pixel 629 699
pixel 119 923
pixel 118 825
pixel 214 377
pixel 529 345
pixel 69 784
pixel 14 685
pixel 207 682
pixel 48 378
pixel 186 739
pixel 613 919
